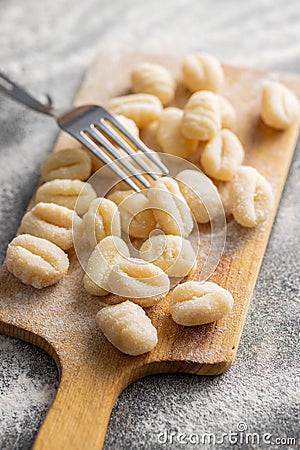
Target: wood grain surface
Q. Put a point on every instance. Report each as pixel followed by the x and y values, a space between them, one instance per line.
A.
pixel 61 318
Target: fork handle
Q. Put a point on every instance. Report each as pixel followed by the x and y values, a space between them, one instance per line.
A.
pixel 13 90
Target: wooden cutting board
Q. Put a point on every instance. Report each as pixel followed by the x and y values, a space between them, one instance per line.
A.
pixel 61 318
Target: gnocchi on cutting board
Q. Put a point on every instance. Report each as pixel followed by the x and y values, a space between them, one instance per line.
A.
pixel 128 328
pixel 153 79
pixel 73 194
pixel 148 293
pixel 52 222
pixel 36 261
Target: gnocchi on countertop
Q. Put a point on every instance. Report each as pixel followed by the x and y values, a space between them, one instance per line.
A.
pixel 137 242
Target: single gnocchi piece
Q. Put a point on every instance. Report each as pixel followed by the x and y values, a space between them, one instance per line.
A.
pixel 227 111
pixel 137 219
pixel 202 71
pixel 153 79
pixel 73 194
pixel 195 303
pixel 102 219
pixel 70 163
pixel 279 106
pixel 200 194
pixel 222 156
pixel 36 261
pixel 129 124
pixel 99 265
pixel 201 116
pixel 52 222
pixel 143 282
pixel 169 134
pixel 141 108
pixel 250 197
pixel 170 208
pixel 173 254
pixel 128 328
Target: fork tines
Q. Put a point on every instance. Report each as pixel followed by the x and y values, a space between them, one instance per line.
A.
pixel 106 136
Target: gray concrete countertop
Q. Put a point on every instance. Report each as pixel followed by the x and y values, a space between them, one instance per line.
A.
pixel 48 45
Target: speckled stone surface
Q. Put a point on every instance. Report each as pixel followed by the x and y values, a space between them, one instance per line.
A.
pixel 48 45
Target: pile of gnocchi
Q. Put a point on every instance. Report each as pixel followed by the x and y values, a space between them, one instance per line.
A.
pixel 161 218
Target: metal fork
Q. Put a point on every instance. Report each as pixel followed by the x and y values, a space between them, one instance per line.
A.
pixel 95 128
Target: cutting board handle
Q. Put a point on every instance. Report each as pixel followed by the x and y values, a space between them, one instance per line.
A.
pixel 79 415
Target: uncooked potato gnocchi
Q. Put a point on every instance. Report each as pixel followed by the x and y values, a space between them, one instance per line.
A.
pixel 222 156
pixel 137 218
pixel 173 254
pixel 250 197
pixel 52 222
pixel 141 108
pixel 201 117
pixel 70 163
pixel 169 134
pixel 103 257
pixel 143 282
pixel 200 194
pixel 153 79
pixel 202 71
pixel 195 303
pixel 170 208
pixel 227 111
pixel 279 106
pixel 73 194
pixel 102 219
pixel 129 124
pixel 36 261
pixel 128 328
